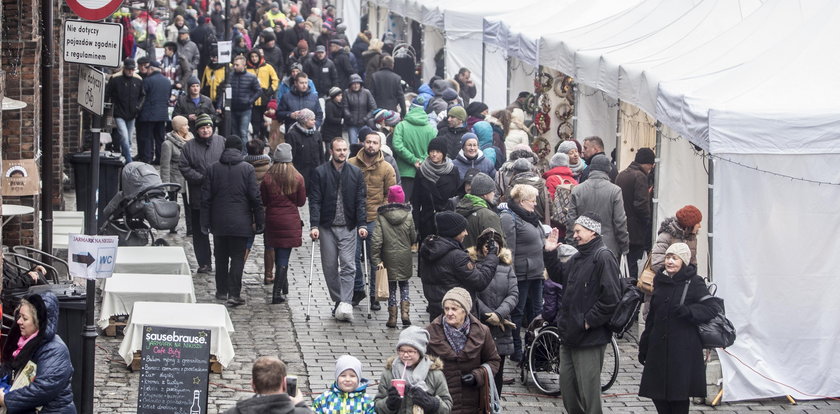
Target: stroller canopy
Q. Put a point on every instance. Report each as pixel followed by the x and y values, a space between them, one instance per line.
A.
pixel 136 177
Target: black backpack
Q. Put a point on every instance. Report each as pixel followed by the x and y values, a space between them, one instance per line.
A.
pixel 628 307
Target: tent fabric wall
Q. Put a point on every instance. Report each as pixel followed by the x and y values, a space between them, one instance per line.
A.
pixel 520 78
pixel 351 11
pixel 432 42
pixel 637 130
pixel 597 114
pixel 494 89
pixel 683 180
pixel 774 265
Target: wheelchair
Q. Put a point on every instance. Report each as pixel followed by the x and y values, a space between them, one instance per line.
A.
pixel 541 359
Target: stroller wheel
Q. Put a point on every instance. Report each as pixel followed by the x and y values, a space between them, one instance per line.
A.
pixel 160 242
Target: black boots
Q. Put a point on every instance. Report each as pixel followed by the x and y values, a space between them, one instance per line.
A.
pixel 281 286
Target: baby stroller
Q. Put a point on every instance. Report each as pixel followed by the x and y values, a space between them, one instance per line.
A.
pixel 142 198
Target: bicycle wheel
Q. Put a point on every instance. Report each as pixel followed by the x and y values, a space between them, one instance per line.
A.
pixel 544 362
pixel 609 370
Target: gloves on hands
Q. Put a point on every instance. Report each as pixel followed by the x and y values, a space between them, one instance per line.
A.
pixel 429 403
pixel 493 319
pixel 469 380
pixel 393 401
pixel 507 323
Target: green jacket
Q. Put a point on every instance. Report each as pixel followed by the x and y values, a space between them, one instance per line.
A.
pixel 392 238
pixel 411 141
pixel 479 217
pixel 435 384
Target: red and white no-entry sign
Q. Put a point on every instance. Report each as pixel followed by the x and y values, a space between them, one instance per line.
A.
pixel 94 9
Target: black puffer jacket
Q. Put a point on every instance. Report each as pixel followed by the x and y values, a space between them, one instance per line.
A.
pixel 323 195
pixel 444 264
pixel 230 204
pixel 670 347
pixel 634 191
pixel 343 68
pixel 359 105
pixel 246 90
pixel 590 294
pixel 386 87
pixel 322 73
pixel 500 297
pixel 185 107
pixel 333 124
pixel 430 198
pixel 452 137
pixel 306 150
pixel 196 158
pixel 126 94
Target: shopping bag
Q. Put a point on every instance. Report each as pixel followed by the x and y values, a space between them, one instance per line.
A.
pixel 382 284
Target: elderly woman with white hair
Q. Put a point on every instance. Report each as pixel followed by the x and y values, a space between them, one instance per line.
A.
pixel 170 157
pixel 670 347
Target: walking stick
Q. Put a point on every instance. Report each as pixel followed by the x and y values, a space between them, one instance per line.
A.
pixel 311 271
pixel 366 273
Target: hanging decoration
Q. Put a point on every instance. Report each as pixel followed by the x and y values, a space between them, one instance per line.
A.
pixel 543 82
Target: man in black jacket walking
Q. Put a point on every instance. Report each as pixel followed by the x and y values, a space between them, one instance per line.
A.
pixel 336 214
pixel 246 90
pixel 196 158
pixel 126 94
pixel 232 210
pixel 322 71
pixel 590 295
pixel 444 264
pixel 192 104
pixel 386 87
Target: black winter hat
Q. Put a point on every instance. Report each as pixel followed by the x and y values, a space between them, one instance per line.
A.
pixel 645 156
pixel 475 108
pixel 600 162
pixel 233 141
pixel 450 223
pixel 438 144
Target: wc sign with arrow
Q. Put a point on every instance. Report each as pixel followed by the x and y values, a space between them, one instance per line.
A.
pixel 92 257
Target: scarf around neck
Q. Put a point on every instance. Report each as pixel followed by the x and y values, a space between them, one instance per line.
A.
pixel 528 216
pixel 22 342
pixel 416 375
pixel 457 337
pixel 305 130
pixel 577 168
pixel 433 172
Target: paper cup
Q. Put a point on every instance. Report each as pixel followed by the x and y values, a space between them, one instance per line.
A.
pixel 399 384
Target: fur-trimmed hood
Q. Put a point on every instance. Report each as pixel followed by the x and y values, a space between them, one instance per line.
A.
pixel 671 226
pixel 437 363
pixel 505 255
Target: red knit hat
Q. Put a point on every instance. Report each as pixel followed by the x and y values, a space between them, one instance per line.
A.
pixel 396 194
pixel 689 216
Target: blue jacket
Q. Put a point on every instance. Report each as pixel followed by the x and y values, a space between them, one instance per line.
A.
pixel 295 101
pixel 336 401
pixel 246 90
pixel 285 87
pixel 156 107
pixel 51 388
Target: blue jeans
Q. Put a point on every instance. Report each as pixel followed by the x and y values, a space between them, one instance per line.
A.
pixel 240 120
pixel 529 307
pixel 281 257
pixel 353 134
pixel 359 282
pixel 126 128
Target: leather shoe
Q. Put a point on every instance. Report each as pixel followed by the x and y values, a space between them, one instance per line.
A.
pixel 204 269
pixel 358 295
pixel 235 301
pixel 221 296
pixel 374 306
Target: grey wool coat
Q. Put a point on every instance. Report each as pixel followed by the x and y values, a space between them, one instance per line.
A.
pixel 526 242
pixel 598 194
pixel 501 297
pixel 392 238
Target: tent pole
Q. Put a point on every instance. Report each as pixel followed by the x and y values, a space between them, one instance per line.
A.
pixel 710 215
pixel 483 78
pixel 656 177
pixel 507 94
pixel 618 135
pixel 576 97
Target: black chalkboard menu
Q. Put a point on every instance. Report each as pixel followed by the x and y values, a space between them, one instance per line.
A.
pixel 174 370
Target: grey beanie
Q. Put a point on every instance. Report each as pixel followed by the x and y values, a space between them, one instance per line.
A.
pixel 680 250
pixel 482 184
pixel 459 295
pixel 283 153
pixel 415 337
pixel 559 160
pixel 522 165
pixel 346 362
pixel 600 162
pixel 566 146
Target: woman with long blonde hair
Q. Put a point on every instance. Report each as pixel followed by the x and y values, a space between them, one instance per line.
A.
pixel 283 191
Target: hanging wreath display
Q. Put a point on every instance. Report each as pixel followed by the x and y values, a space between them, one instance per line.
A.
pixel 542 121
pixel 564 131
pixel 543 82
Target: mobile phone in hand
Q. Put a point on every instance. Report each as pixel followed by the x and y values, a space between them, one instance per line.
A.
pixel 291 385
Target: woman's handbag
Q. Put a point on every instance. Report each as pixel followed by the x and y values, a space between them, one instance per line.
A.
pixel 719 331
pixel 382 284
pixel 645 281
pixel 494 402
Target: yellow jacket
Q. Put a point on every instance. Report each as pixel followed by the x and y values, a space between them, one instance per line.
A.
pixel 211 82
pixel 267 76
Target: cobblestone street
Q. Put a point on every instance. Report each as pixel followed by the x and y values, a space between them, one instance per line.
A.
pixel 311 347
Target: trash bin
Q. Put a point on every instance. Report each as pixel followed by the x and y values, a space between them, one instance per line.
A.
pixel 71 324
pixel 110 166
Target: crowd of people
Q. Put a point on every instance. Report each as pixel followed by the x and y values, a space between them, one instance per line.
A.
pixel 499 227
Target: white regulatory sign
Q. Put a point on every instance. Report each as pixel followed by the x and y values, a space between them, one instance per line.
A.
pixel 225 49
pixel 91 90
pixel 92 257
pixel 98 44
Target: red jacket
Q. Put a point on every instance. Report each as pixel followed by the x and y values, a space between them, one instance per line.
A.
pixel 557 176
pixel 282 220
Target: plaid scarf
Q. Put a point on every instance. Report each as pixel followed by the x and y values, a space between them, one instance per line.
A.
pixel 457 337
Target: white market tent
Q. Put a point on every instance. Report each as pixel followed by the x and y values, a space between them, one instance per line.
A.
pixel 753 85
